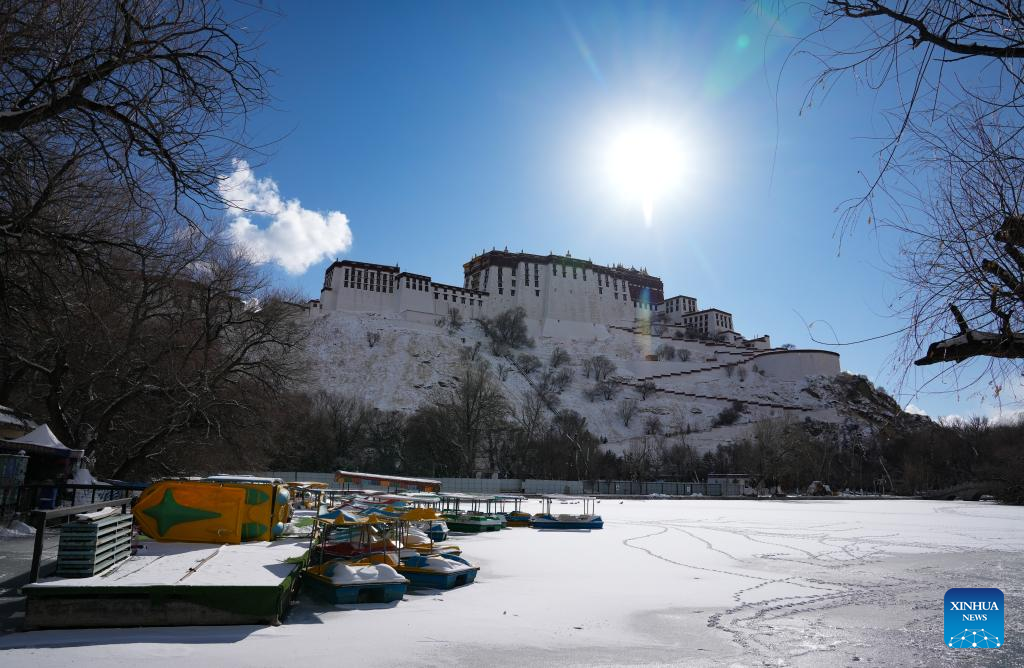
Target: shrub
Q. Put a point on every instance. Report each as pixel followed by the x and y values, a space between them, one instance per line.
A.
pixel 665 352
pixel 729 415
pixel 558 357
pixel 645 388
pixel 684 355
pixel 452 320
pixel 372 338
pixel 507 330
pixel 652 425
pixel 608 389
pixel 527 363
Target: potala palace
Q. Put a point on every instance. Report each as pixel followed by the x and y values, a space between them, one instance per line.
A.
pixel 578 305
pixel 562 295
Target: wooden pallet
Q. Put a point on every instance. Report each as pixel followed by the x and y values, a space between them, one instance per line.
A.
pixel 88 547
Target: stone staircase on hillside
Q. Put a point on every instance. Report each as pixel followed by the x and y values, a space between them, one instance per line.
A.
pixel 695 395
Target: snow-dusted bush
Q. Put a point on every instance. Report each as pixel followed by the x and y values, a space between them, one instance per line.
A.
pixel 507 330
pixel 558 357
pixel 729 415
pixel 652 425
pixel 665 352
pixel 527 363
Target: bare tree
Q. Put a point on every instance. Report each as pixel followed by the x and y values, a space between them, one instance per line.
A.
pixel 153 92
pixel 608 389
pixel 949 173
pixel 588 366
pixel 602 367
pixel 372 338
pixel 174 346
pixel 645 388
pixel 475 406
pixel 626 410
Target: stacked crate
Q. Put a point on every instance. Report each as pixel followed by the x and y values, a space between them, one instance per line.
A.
pixel 92 543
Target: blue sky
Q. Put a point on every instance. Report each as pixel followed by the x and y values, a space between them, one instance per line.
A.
pixel 440 129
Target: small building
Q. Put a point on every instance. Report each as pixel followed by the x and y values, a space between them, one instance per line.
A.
pixel 50 461
pixel 730 484
pixel 14 424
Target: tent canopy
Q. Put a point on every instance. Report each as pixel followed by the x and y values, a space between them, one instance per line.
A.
pixel 42 441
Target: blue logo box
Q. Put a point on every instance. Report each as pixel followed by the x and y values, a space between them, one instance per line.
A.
pixel 973 618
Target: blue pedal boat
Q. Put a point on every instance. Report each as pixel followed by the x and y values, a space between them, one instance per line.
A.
pixel 442 571
pixel 337 581
pixel 563 522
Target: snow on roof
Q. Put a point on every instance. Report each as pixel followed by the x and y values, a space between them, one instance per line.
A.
pixel 10 416
pixel 41 439
pixel 388 480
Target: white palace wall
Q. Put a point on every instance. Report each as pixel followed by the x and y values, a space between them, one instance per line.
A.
pixel 798 364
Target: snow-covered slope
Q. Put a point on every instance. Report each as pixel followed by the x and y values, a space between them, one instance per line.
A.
pixel 410 361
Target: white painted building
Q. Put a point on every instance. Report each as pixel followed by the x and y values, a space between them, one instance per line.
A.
pixel 559 292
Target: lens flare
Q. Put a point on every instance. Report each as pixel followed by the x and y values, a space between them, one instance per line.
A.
pixel 645 163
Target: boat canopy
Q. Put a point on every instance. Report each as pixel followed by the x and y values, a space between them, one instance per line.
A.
pixel 388 481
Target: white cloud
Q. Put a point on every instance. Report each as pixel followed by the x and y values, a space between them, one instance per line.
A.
pixel 915 410
pixel 293 237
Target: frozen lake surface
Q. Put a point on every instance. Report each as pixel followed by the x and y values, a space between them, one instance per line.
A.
pixel 694 582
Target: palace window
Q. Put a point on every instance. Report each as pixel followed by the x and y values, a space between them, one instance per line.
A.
pixel 554 269
pixel 500 291
pixel 436 296
pixel 513 293
pixel 574 273
pixel 563 271
pixel 463 300
pixel 600 291
pixel 537 292
pixel 513 271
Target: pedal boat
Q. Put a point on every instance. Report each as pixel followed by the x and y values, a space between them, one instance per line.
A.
pixel 443 571
pixel 563 522
pixel 337 581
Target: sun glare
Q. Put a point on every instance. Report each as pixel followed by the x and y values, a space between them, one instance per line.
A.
pixel 645 164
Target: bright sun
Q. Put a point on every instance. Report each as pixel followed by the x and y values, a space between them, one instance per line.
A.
pixel 645 163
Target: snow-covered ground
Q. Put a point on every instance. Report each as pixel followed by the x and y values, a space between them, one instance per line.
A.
pixel 695 582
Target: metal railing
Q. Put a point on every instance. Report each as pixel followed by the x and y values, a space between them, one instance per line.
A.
pixel 39 518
